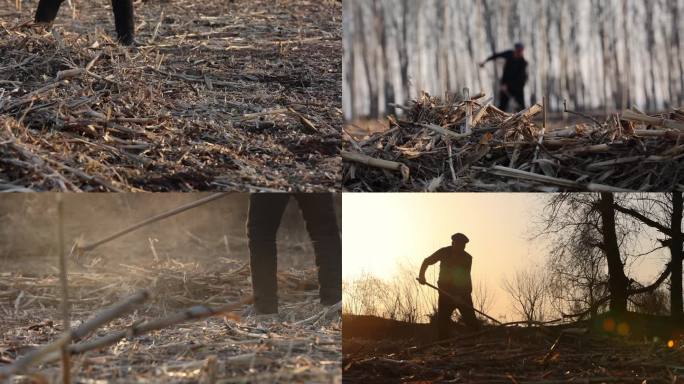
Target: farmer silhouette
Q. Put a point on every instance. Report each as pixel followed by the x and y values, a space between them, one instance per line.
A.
pixel 454 279
pixel 265 213
pixel 514 76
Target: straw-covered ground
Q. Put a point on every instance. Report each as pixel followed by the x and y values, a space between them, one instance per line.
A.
pixel 223 95
pixel 301 344
pixel 457 144
pixel 541 355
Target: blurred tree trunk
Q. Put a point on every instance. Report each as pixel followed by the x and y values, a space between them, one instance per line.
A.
pixel 600 14
pixel 650 46
pixel 368 67
pixel 381 27
pixel 402 47
pixel 676 40
pixel 618 81
pixel 670 59
pixel 626 96
pixel 349 53
pixel 491 38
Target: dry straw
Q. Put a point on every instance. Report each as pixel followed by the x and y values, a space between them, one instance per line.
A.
pixel 218 95
pixel 439 146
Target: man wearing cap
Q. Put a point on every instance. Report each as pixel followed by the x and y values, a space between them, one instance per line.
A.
pixel 454 279
pixel 514 76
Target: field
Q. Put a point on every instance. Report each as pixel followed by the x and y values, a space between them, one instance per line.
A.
pixel 196 259
pixel 233 95
pixel 402 352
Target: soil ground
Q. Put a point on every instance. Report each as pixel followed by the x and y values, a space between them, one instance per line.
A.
pixel 227 95
pixel 409 353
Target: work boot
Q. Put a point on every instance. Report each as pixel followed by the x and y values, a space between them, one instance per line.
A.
pixel 330 298
pixel 264 307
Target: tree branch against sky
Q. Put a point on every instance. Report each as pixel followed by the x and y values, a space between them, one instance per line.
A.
pixel 599 236
pixel 528 289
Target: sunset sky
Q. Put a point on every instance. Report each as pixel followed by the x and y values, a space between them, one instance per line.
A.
pixel 381 230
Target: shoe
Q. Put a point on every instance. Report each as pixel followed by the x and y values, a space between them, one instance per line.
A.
pixel 260 308
pixel 330 299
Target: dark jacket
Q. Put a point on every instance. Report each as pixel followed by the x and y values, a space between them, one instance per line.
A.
pixel 454 269
pixel 515 69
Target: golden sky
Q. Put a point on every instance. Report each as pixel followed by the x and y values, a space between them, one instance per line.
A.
pixel 381 230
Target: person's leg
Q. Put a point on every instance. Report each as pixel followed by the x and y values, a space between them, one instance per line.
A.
pixel 465 307
pixel 318 210
pixel 123 20
pixel 47 10
pixel 503 101
pixel 445 307
pixel 519 95
pixel 263 220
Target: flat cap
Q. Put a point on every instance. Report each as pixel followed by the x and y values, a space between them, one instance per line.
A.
pixel 460 237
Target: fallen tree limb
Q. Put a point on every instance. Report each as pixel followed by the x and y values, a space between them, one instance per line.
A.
pixel 191 314
pixel 517 173
pixel 655 121
pixel 52 351
pixel 378 163
pixel 445 132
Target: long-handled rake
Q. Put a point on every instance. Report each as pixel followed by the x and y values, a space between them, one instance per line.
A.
pixel 457 300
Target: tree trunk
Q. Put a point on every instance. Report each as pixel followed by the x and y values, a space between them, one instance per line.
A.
pixel 350 81
pixel 676 252
pixel 650 31
pixel 677 41
pixel 626 96
pixel 604 53
pixel 617 281
pixel 491 37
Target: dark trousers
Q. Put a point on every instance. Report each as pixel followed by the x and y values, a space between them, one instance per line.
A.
pixel 517 94
pixel 123 16
pixel 446 306
pixel 265 213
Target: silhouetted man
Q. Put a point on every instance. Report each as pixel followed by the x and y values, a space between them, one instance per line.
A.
pixel 454 278
pixel 514 76
pixel 265 213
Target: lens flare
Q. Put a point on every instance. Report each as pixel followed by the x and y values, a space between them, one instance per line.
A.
pixel 609 325
pixel 623 329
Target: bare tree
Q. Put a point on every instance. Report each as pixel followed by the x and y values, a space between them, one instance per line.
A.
pixel 595 235
pixel 483 297
pixel 527 289
pixel 663 212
